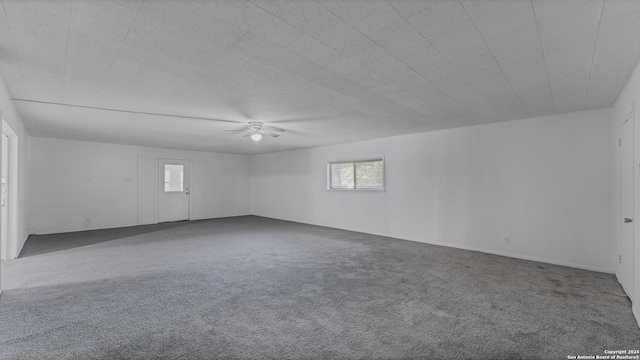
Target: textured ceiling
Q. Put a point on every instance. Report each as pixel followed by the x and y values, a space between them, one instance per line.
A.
pixel 326 71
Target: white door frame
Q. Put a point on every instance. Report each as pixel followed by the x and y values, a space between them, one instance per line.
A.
pixel 149 183
pixel 623 257
pixel 11 242
pixel 160 185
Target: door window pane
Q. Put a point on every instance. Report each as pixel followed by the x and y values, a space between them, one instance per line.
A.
pixel 173 178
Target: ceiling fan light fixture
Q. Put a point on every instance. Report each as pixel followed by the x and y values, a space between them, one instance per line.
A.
pixel 256 137
pixel 255 131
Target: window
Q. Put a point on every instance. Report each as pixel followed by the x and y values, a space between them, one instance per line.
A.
pixel 173 178
pixel 356 175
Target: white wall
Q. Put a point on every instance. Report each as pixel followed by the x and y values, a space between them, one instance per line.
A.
pixel 544 181
pixel 627 100
pixel 77 185
pixel 11 116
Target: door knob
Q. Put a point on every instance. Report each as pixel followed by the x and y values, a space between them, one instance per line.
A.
pixel 627 220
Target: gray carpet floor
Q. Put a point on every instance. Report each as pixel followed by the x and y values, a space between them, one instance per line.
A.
pixel 257 288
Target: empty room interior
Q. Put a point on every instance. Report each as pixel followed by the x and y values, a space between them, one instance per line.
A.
pixel 281 179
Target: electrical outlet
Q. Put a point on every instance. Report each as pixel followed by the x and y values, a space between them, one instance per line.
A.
pixel 619 259
pixel 507 239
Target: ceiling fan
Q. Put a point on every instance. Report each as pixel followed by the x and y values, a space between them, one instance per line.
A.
pixel 255 130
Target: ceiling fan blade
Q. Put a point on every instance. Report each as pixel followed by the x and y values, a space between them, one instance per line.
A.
pixel 309 119
pixel 257 127
pixel 270 133
pixel 273 128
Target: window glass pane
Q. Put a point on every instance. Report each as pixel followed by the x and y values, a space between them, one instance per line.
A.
pixel 342 176
pixel 173 175
pixel 167 181
pixel 369 175
pixel 362 175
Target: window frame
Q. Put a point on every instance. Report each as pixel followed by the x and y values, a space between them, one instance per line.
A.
pixel 355 182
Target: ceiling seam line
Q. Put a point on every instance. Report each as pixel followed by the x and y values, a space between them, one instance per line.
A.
pixel 227 47
pixel 429 81
pixel 494 58
pixel 66 50
pixel 64 72
pixel 411 68
pixel 15 50
pixel 595 45
pixel 224 49
pixel 446 59
pixel 414 14
pixel 403 63
pixel 544 59
pixel 120 46
pixel 337 51
pixel 301 30
pixel 407 66
pixel 250 30
pixel 118 110
pixel 311 61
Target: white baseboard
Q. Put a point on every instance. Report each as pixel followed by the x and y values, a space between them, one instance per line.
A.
pixel 69 230
pixel 464 247
pixel 457 246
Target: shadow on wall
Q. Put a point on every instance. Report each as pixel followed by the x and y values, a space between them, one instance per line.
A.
pixel 44 244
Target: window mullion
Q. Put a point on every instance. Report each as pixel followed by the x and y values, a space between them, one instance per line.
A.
pixel 355 177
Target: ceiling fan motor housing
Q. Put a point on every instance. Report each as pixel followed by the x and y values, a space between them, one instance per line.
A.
pixel 255 126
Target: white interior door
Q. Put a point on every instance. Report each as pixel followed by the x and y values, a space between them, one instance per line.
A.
pixel 625 242
pixel 4 199
pixel 173 198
